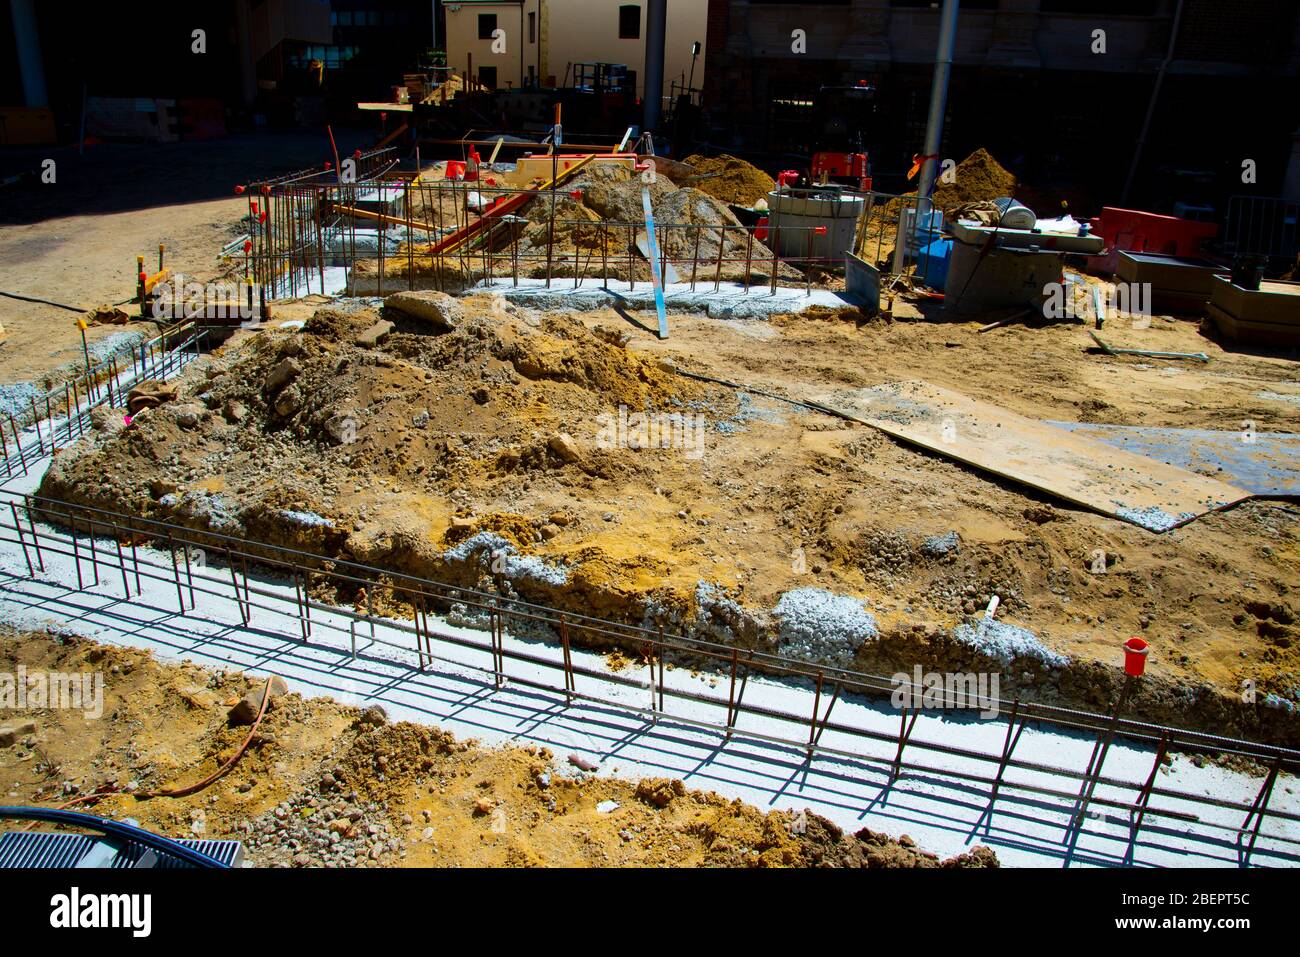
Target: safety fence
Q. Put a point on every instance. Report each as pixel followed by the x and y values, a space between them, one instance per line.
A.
pixel 272 587
pixel 1267 226
pixel 54 419
pixel 398 232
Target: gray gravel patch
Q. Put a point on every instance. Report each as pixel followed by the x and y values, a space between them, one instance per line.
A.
pixel 1006 642
pixel 514 566
pixel 818 625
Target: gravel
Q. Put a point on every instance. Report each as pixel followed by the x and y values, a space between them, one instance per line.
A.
pixel 514 566
pixel 306 519
pixel 17 398
pixel 939 545
pixel 818 625
pixel 1153 519
pixel 1006 642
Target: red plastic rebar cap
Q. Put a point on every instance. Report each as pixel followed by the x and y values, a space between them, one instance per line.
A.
pixel 239 191
pixel 1135 656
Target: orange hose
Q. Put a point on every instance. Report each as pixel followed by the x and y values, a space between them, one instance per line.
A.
pixel 199 786
pixel 225 768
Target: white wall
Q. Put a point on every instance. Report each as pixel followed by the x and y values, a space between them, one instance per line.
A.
pixel 462 40
pixel 574 31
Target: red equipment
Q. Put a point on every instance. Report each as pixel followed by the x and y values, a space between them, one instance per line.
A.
pixel 842 166
pixel 1134 230
pixel 1135 657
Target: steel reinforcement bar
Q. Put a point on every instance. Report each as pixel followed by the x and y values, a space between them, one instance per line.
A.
pixel 63 414
pixel 300 226
pixel 98 541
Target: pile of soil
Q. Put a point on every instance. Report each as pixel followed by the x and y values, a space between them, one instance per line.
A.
pixel 598 231
pixel 729 179
pixel 460 430
pixel 331 785
pixel 325 440
pixel 977 177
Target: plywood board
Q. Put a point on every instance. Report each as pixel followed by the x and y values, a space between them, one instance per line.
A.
pixel 1144 491
pixel 1265 463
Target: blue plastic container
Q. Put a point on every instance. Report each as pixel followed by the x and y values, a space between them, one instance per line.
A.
pixel 932 263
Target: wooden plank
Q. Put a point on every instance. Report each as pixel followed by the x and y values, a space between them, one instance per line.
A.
pixel 503 208
pixel 1133 488
pixel 1265 463
pixel 656 278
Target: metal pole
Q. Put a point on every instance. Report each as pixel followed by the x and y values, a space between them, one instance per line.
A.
pixel 1099 752
pixel 938 103
pixel 1151 106
pixel 27 43
pixel 656 18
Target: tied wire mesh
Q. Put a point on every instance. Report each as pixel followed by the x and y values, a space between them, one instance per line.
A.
pixel 391 234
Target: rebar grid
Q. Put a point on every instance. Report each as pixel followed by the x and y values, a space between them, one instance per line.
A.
pixel 449 235
pixel 89 526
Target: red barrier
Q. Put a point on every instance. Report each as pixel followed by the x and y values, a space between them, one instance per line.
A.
pixel 1132 230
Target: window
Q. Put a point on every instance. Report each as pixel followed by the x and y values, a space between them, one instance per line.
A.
pixel 487 24
pixel 532 28
pixel 629 22
pixel 487 75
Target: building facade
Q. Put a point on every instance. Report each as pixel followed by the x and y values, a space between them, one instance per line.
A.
pixel 541 40
pixel 1055 89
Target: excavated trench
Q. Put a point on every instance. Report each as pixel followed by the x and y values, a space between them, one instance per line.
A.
pixel 438 441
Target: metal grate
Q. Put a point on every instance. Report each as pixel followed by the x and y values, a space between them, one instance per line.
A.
pixel 36 849
pixel 1262 226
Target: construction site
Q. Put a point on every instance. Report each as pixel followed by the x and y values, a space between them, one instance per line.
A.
pixel 533 482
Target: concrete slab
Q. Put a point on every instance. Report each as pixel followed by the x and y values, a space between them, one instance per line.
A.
pixel 731 301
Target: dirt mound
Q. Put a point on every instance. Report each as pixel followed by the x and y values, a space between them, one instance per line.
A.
pixel 977 177
pixel 730 179
pixel 310 439
pixel 575 227
pixel 331 785
pixel 614 194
